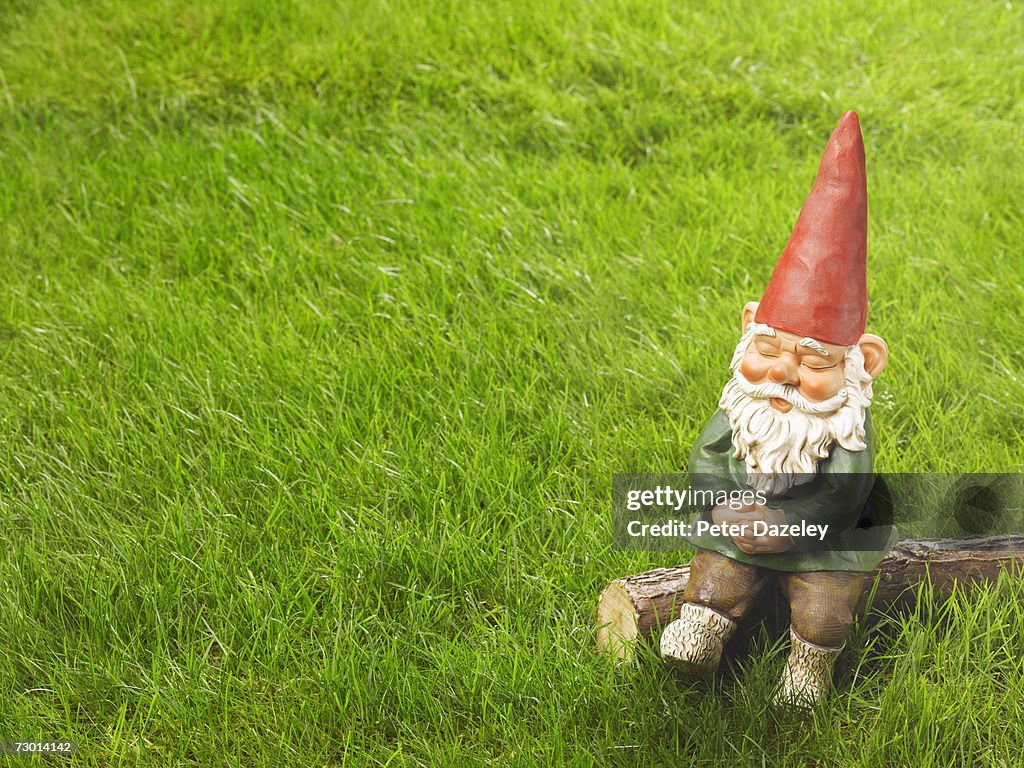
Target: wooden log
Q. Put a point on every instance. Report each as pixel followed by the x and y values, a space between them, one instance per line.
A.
pixel 634 608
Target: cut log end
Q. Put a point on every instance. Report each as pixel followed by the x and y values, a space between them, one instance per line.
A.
pixel 618 622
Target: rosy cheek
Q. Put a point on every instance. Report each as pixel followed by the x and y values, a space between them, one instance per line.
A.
pixel 754 367
pixel 820 386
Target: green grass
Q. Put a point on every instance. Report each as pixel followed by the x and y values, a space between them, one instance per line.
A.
pixel 324 327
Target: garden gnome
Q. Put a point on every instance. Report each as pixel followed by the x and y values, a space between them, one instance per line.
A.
pixel 793 424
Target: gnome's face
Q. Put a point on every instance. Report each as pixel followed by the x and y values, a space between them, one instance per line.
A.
pixel 792 397
pixel 815 370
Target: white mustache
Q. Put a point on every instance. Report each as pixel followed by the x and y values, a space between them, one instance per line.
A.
pixel 789 393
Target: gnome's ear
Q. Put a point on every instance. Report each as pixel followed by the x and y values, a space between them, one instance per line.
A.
pixel 749 310
pixel 876 353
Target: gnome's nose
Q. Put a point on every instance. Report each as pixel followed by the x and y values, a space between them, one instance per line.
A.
pixel 785 371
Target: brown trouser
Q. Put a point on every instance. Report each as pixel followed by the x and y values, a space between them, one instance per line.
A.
pixel 822 603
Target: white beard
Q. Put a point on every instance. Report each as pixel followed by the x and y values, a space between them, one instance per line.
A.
pixel 783 449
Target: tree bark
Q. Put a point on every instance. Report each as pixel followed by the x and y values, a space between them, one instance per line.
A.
pixel 634 608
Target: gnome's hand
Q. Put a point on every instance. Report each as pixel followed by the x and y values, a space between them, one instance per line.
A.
pixel 746 517
pixel 739 519
pixel 765 544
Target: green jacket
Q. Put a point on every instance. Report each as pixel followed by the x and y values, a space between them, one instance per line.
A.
pixel 836 496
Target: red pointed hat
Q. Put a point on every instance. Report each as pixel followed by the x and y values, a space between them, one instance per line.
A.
pixel 819 286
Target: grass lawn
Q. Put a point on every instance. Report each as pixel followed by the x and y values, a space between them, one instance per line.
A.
pixel 324 327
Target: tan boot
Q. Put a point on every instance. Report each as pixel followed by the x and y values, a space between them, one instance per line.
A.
pixel 693 643
pixel 807 679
